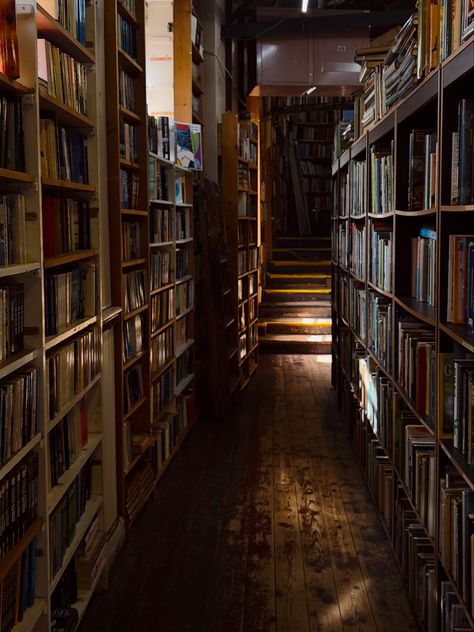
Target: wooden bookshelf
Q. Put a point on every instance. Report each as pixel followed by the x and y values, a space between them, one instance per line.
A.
pixel 398 313
pixel 54 357
pixel 128 191
pixel 242 216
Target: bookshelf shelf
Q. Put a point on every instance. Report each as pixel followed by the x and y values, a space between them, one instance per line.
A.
pixel 185 313
pixel 135 312
pixel 159 372
pixel 184 384
pixel 422 311
pixel 93 506
pixel 128 115
pixel 136 358
pixel 69 332
pixel 61 260
pixel 49 28
pixel 16 458
pixel 188 277
pixel 197 57
pixel 17 361
pixel 180 350
pixel 66 480
pixel 458 460
pixel 23 268
pixel 459 333
pixel 127 164
pixel 161 289
pixel 84 596
pixel 465 208
pixel 65 115
pixel 11 86
pixel 128 63
pixel 423 213
pixel 133 212
pixel 133 262
pixel 73 402
pixel 160 329
pixel 65 185
pixel 138 404
pixel 15 176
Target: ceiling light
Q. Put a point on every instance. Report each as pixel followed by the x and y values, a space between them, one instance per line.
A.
pixel 304 6
pixel 310 90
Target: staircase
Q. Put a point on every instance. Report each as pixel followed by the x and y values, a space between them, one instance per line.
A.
pixel 295 313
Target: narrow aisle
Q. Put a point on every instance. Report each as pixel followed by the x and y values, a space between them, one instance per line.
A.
pixel 261 525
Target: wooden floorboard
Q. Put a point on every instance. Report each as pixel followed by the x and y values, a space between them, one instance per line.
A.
pixel 262 524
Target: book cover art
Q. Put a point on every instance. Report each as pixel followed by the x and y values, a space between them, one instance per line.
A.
pixel 189 146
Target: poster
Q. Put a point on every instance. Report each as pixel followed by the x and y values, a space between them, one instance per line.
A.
pixel 188 145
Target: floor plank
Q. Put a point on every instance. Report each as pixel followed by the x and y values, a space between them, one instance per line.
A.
pixel 262 524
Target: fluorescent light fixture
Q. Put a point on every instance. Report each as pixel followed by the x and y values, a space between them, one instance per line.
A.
pixel 310 90
pixel 304 6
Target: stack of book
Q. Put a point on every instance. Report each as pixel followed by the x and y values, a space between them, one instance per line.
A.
pixel 382 178
pixel 462 149
pixel 399 72
pixel 423 266
pixel 381 255
pixel 460 303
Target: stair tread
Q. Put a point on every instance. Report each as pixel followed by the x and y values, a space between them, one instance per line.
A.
pixel 296 338
pixel 298 275
pixel 294 305
pixel 303 320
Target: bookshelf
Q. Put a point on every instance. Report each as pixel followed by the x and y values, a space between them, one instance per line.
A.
pixel 51 346
pixel 127 167
pixel 402 334
pixel 240 196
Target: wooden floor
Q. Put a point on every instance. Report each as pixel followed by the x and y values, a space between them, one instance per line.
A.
pixel 261 525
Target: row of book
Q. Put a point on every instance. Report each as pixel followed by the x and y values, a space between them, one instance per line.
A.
pixel 160 268
pixel 358 308
pixel 134 284
pixel 89 557
pixel 456 532
pixel 157 180
pixel 19 413
pixel 159 136
pixel 162 392
pixel 357 241
pixel 127 91
pixel 12 309
pixel 453 616
pixel 12 145
pixel 129 189
pixel 423 266
pixel 69 297
pixel 61 76
pixel 133 336
pixel 376 397
pixel 131 241
pixel 318 170
pixel 162 309
pixel 66 441
pixel 71 14
pixel 247 137
pixel 18 588
pixel 133 387
pixel 358 174
pixel 184 299
pixel 138 489
pixel 63 153
pixel 421 169
pixel 381 254
pixel 13 247
pixel 314 150
pixel 460 286
pixel 462 148
pixel 343 245
pixel 416 364
pixel 459 402
pixel 127 36
pixel 128 142
pixel 161 224
pixel 71 368
pixel 382 179
pixel 66 225
pixel 161 350
pixel 18 502
pixel 313 132
pixel 380 328
pixel 169 431
pixel 184 366
pixel 182 263
pixel 183 223
pixel 64 519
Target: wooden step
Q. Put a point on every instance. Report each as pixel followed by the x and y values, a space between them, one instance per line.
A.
pixel 322 254
pixel 302 242
pixel 298 294
pixel 298 280
pixel 295 309
pixel 311 326
pixel 303 343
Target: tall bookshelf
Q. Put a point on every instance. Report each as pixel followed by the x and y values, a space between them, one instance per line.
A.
pixel 50 374
pixel 241 211
pixel 402 345
pixel 127 168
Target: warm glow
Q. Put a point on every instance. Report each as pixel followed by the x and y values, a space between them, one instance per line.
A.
pixel 311 90
pixel 323 358
pixel 304 6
